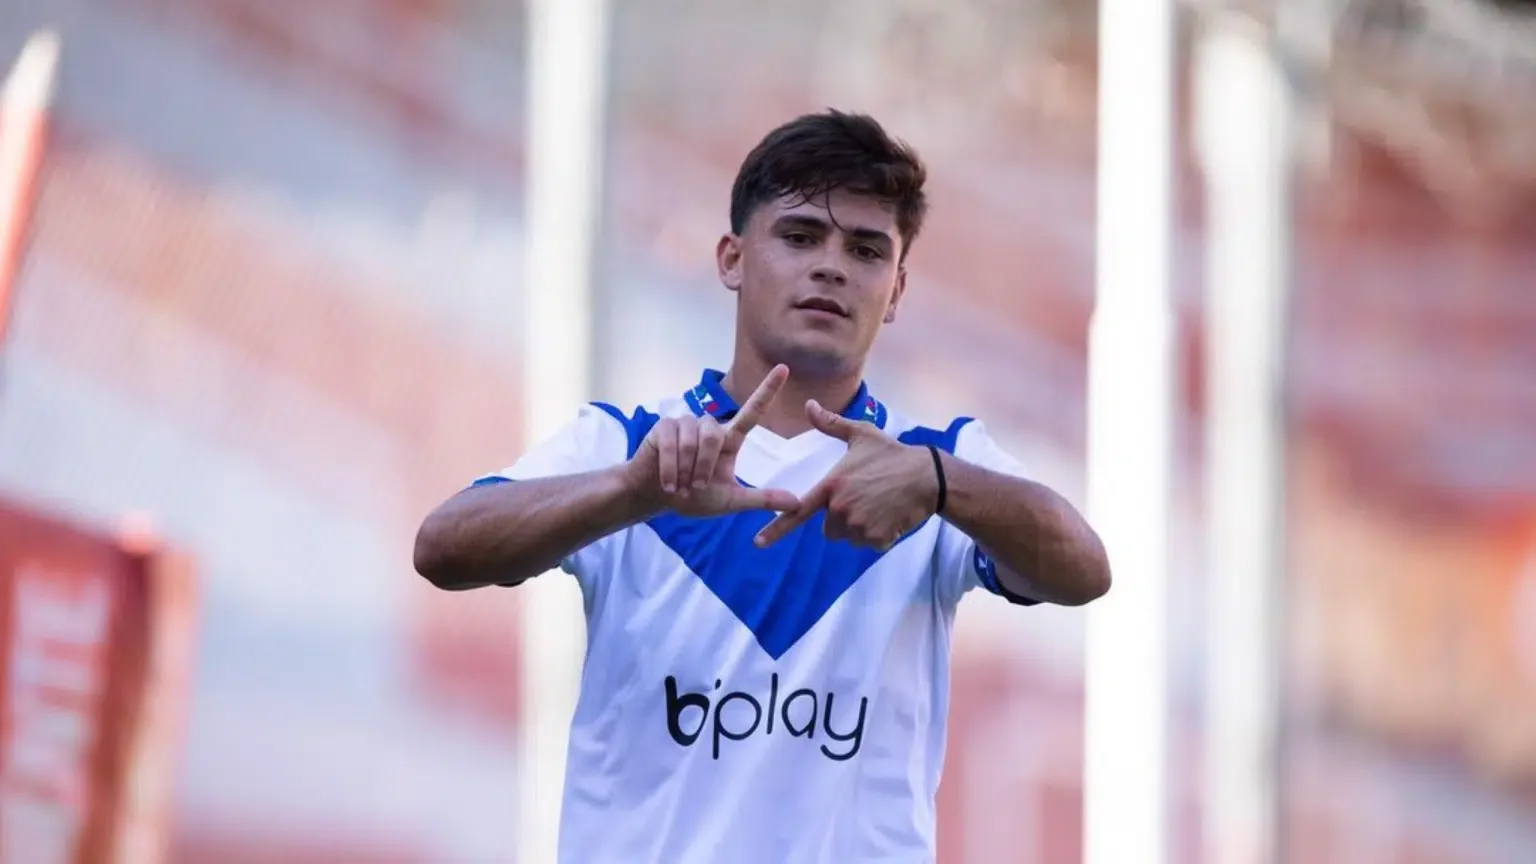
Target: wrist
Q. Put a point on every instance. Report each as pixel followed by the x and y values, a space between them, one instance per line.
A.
pixel 638 489
pixel 926 477
pixel 940 480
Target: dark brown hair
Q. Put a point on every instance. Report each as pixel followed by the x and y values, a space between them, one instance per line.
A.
pixel 813 155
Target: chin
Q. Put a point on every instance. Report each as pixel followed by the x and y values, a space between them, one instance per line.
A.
pixel 815 358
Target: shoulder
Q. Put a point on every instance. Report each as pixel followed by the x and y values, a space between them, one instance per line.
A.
pixel 948 436
pixel 964 437
pixel 635 422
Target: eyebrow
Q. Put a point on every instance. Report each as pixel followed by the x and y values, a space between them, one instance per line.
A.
pixel 815 223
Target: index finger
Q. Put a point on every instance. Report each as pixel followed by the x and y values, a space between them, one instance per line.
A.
pixel 751 413
pixel 780 526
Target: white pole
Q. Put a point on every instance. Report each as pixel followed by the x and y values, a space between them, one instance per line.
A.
pixel 1244 136
pixel 1130 402
pixel 568 49
pixel 25 100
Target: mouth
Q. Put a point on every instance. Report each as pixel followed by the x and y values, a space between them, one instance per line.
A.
pixel 823 304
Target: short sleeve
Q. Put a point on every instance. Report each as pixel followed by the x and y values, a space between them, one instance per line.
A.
pixel 962 564
pixel 596 439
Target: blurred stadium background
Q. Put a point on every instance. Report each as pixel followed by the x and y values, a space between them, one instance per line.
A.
pixel 268 312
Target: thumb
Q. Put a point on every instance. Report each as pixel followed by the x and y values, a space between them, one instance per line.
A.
pixel 825 421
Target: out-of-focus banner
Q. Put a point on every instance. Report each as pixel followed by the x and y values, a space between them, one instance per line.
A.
pixel 95 644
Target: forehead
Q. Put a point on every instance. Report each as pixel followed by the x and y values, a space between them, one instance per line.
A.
pixel 847 210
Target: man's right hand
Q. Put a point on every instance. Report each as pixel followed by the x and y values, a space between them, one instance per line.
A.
pixel 688 464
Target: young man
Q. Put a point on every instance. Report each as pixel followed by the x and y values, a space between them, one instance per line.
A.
pixel 771 560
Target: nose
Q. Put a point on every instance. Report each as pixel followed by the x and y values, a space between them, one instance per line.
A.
pixel 829 274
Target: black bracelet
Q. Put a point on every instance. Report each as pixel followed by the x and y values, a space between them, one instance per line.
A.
pixel 938 468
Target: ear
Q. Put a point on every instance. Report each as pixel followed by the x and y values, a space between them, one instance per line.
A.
pixel 728 261
pixel 901 288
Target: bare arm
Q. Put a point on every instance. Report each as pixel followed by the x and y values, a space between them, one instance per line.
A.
pixel 882 489
pixel 1045 550
pixel 507 533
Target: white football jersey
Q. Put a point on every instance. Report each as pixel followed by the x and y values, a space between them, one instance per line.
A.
pixel 759 706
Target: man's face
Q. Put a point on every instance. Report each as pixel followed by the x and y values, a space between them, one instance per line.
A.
pixel 816 279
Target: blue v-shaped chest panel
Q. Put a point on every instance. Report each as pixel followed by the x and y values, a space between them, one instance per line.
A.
pixel 779 593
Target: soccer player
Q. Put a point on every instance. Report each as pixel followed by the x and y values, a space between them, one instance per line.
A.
pixel 772 558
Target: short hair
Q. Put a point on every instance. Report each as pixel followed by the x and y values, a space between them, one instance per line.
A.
pixel 813 155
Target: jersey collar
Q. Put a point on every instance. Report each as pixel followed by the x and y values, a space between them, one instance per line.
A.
pixel 708 397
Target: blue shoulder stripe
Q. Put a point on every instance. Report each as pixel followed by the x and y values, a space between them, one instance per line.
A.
pixel 636 427
pixel 944 439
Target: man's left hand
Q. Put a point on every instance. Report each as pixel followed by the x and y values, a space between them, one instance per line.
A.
pixel 873 496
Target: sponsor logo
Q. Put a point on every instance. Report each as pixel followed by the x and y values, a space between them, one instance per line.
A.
pixel 736 715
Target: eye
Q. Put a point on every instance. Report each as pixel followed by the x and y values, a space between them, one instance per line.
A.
pixel 867 253
pixel 798 238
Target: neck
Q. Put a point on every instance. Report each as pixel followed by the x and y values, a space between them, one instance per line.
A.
pixel 785 417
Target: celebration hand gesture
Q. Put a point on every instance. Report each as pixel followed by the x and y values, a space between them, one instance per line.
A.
pixel 688 464
pixel 875 494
